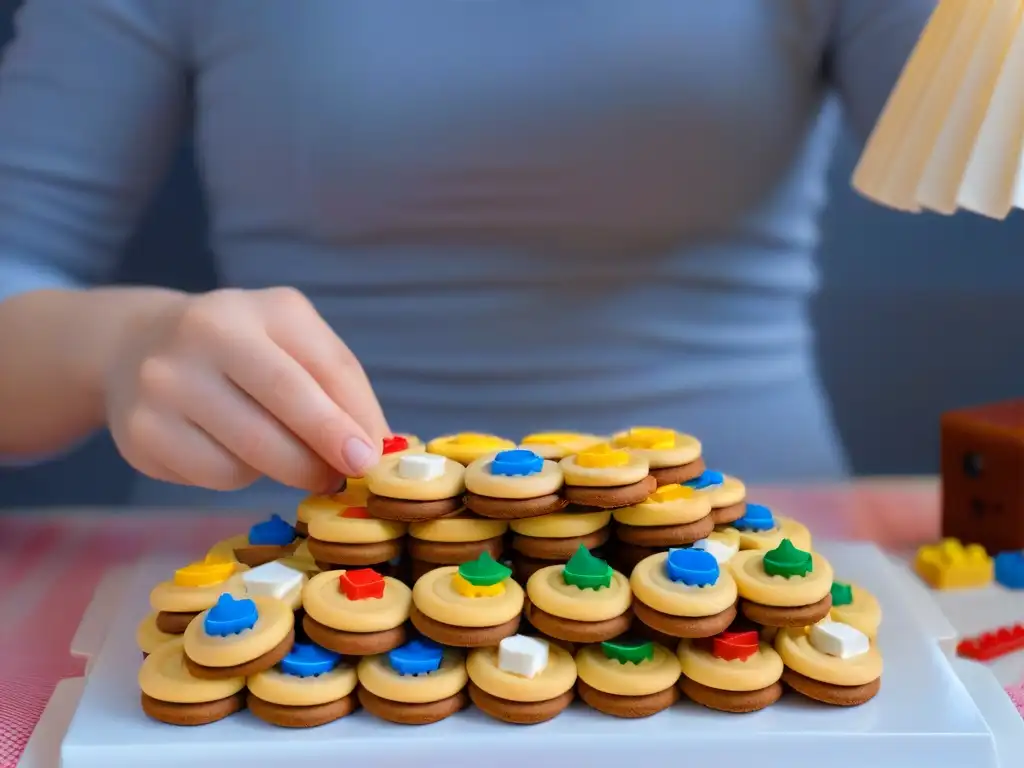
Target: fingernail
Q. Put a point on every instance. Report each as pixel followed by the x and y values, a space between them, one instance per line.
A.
pixel 358 455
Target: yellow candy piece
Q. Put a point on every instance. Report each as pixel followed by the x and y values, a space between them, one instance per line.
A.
pixel 551 438
pixel 672 493
pixel 466 589
pixel 648 438
pixel 602 457
pixel 477 440
pixel 206 574
pixel 951 565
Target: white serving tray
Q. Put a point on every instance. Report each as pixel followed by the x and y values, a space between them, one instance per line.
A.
pixel 932 709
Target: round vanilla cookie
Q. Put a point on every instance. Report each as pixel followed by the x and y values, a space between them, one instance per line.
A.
pixel 562 525
pixel 633 471
pixel 387 480
pixel 759 671
pixel 548 591
pixel 652 587
pixel 377 676
pixel 558 677
pixel 466 447
pixel 169 597
pixel 336 529
pixel 481 481
pixel 459 529
pixel 148 637
pixel 655 512
pixel 275 620
pixel 558 445
pixel 163 677
pixel 731 491
pixel 685 448
pixel 327 604
pixel 778 591
pixel 313 506
pixel 864 613
pixel 794 646
pixel 785 528
pixel 643 679
pixel 276 687
pixel 435 597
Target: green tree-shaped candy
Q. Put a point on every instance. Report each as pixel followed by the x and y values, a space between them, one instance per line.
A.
pixel 485 571
pixel 842 594
pixel 787 561
pixel 586 571
pixel 628 651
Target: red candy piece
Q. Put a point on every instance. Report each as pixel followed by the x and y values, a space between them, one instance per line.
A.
pixel 359 513
pixel 992 645
pixel 735 646
pixel 395 444
pixel 362 584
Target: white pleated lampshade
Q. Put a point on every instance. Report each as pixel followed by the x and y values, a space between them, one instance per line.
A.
pixel 951 136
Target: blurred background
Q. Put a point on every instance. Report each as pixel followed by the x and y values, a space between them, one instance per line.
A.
pixel 916 315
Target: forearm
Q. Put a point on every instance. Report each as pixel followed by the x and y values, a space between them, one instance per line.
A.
pixel 55 348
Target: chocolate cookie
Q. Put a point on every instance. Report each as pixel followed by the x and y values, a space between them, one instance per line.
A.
pixel 353 555
pixel 680 474
pixel 252 667
pixel 737 702
pixel 412 714
pixel 684 626
pixel 628 555
pixel 826 693
pixel 577 631
pixel 453 552
pixel 729 514
pixel 174 623
pixel 801 616
pixel 192 714
pixel 519 712
pixel 524 567
pixel 513 509
pixel 384 508
pixel 353 643
pixel 627 706
pixel 301 717
pixel 301 529
pixel 558 550
pixel 258 554
pixel 461 637
pixel 665 535
pixel 610 498
pixel 419 568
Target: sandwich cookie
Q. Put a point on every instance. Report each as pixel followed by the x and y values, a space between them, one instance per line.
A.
pixel 417 684
pixel 672 516
pixel 540 541
pixel 312 506
pixel 683 593
pixel 627 678
pixel 149 637
pixel 472 605
pixel 674 457
pixel 276 581
pixel 170 694
pixel 830 662
pixel 857 607
pixel 352 539
pixel 355 492
pixel 605 477
pixel 467 447
pixel 454 540
pixel 356 612
pixel 525 680
pixel 310 687
pixel 759 528
pixel 584 601
pixel 238 638
pixel 557 445
pixel 732 672
pixel 728 495
pixel 512 485
pixel 191 591
pixel 412 487
pixel 270 540
pixel 784 587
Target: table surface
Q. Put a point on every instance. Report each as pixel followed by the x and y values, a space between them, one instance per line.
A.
pixel 52 560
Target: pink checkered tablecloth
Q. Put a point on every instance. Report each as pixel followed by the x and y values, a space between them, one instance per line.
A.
pixel 51 562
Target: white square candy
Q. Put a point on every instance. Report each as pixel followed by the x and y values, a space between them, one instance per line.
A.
pixel 840 640
pixel 721 551
pixel 522 655
pixel 421 466
pixel 271 580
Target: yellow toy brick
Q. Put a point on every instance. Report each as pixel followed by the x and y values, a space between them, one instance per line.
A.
pixel 951 565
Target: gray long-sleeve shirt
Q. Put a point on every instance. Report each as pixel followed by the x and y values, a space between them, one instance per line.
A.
pixel 520 215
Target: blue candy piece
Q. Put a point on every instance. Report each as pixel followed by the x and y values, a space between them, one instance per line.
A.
pixel 516 463
pixel 230 616
pixel 1010 569
pixel 308 660
pixel 692 567
pixel 417 657
pixel 274 532
pixel 757 518
pixel 708 479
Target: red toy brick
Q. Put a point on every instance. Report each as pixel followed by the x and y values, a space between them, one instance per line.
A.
pixel 362 584
pixel 735 646
pixel 992 645
pixel 395 444
pixel 356 512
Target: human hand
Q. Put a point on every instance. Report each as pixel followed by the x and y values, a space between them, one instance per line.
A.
pixel 225 387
